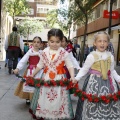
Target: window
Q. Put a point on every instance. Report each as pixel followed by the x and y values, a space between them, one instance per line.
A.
pixel 115 5
pixel 42 10
pixel 98 11
pixel 118 3
pixel 30 0
pixel 106 6
pixel 31 11
pixel 93 14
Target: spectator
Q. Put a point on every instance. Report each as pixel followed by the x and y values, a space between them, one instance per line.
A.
pixel 70 45
pixel 77 48
pixel 42 46
pixel 111 48
pixel 92 48
pixel 26 48
pixel 86 51
pixel 13 44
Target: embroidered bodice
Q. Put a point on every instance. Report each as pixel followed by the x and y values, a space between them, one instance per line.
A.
pixel 32 57
pixel 99 61
pixel 55 63
pixel 103 66
pixel 33 60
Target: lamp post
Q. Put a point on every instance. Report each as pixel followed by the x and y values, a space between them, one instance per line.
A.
pixel 69 26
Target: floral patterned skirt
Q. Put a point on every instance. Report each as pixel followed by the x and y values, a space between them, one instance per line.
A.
pixel 98 111
pixel 51 103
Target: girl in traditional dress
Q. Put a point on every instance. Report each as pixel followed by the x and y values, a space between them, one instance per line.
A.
pixel 53 102
pixel 32 57
pixel 101 82
pixel 69 48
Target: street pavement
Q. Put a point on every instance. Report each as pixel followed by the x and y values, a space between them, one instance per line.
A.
pixel 12 107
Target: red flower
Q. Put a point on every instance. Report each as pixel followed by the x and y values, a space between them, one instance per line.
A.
pixel 88 95
pixel 115 98
pixel 53 82
pixel 118 93
pixel 61 83
pixel 84 93
pixel 65 79
pixel 82 98
pixel 38 85
pixel 107 101
pixel 76 85
pixel 103 98
pixel 96 100
pixel 90 99
pixel 75 95
pixel 46 84
pixel 77 91
pixel 70 84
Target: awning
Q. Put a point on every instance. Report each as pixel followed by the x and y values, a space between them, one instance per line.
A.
pixel 114 28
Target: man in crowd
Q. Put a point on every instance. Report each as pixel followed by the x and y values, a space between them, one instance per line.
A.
pixel 77 48
pixel 13 44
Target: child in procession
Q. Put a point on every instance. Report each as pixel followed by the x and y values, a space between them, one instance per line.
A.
pixel 69 49
pixel 53 102
pixel 32 57
pixel 101 83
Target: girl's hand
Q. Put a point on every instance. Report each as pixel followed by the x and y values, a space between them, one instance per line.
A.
pixel 31 75
pixel 73 80
pixel 16 71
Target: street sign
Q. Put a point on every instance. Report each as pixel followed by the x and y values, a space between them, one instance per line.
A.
pixel 115 14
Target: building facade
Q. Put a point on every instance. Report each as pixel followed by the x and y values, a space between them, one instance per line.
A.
pixel 100 22
pixel 39 10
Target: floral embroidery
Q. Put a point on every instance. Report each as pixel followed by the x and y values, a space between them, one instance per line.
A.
pixel 51 65
pixel 52 95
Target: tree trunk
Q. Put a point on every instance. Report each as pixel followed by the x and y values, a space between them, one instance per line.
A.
pixel 14 21
pixel 110 18
pixel 84 40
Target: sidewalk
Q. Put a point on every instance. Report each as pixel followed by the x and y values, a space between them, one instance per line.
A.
pixel 12 107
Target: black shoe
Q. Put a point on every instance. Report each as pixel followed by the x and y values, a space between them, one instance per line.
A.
pixel 27 102
pixel 10 70
pixel 5 64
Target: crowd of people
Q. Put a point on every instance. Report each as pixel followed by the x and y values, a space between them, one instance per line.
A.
pixel 55 63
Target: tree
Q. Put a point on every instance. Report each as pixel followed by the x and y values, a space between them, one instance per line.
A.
pixel 55 19
pixel 29 26
pixel 16 7
pixel 80 11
